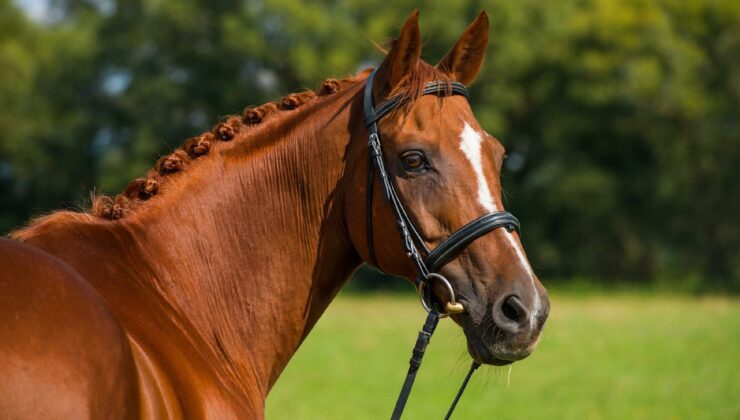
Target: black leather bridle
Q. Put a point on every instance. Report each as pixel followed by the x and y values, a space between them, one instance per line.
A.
pixel 431 260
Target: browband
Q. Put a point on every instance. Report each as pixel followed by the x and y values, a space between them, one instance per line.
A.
pixel 438 88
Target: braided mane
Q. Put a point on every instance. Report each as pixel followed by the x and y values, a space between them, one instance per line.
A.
pixel 142 189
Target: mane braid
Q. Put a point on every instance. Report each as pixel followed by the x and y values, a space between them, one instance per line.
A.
pixel 143 189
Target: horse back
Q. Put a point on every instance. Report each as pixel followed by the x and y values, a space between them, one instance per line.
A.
pixel 62 352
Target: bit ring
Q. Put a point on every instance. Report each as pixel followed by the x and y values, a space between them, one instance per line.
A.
pixel 452 307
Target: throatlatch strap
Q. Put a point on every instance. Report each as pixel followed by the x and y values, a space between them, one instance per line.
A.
pixel 421 345
pixel 369 214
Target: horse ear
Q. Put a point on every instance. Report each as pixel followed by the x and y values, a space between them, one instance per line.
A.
pixel 465 59
pixel 402 58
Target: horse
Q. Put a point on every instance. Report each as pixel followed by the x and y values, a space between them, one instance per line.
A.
pixel 186 295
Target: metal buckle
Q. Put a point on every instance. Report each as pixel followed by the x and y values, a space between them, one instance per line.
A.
pixel 452 307
pixel 374 142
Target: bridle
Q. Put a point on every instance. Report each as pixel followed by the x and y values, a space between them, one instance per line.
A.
pixel 427 262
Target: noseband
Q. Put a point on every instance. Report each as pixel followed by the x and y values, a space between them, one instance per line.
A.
pixel 427 262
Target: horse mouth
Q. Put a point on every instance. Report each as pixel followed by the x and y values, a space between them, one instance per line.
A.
pixel 482 355
pixel 496 353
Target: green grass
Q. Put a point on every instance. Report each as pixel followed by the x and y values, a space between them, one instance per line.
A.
pixel 616 356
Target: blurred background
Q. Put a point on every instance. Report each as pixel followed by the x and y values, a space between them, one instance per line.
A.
pixel 620 118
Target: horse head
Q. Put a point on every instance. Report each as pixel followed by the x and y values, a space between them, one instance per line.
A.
pixel 444 171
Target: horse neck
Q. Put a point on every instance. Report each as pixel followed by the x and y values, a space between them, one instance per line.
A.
pixel 252 246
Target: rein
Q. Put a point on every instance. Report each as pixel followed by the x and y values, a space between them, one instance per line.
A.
pixel 431 261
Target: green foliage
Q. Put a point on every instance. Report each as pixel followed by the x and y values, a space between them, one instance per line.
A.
pixel 626 115
pixel 600 357
pixel 620 117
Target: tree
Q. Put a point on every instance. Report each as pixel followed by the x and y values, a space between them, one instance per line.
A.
pixel 620 117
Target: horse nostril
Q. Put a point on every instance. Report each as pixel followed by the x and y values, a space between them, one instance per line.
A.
pixel 513 309
pixel 510 314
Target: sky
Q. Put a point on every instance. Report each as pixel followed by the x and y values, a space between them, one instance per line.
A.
pixel 37 10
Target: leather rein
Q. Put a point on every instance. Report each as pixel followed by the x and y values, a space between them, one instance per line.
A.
pixel 427 261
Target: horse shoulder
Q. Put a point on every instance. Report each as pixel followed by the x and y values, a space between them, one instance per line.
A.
pixel 62 352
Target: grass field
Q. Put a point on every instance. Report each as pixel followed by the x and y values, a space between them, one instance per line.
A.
pixel 601 356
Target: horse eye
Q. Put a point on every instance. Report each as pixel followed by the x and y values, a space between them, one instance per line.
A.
pixel 414 161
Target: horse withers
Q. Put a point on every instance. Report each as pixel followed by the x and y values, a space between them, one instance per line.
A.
pixel 187 294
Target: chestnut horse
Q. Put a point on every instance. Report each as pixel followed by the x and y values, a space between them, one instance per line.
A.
pixel 187 295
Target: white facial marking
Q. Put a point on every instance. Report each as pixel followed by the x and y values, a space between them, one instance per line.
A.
pixel 470 144
pixel 528 268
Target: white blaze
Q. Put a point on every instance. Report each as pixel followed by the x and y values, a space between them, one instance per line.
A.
pixel 528 268
pixel 470 144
